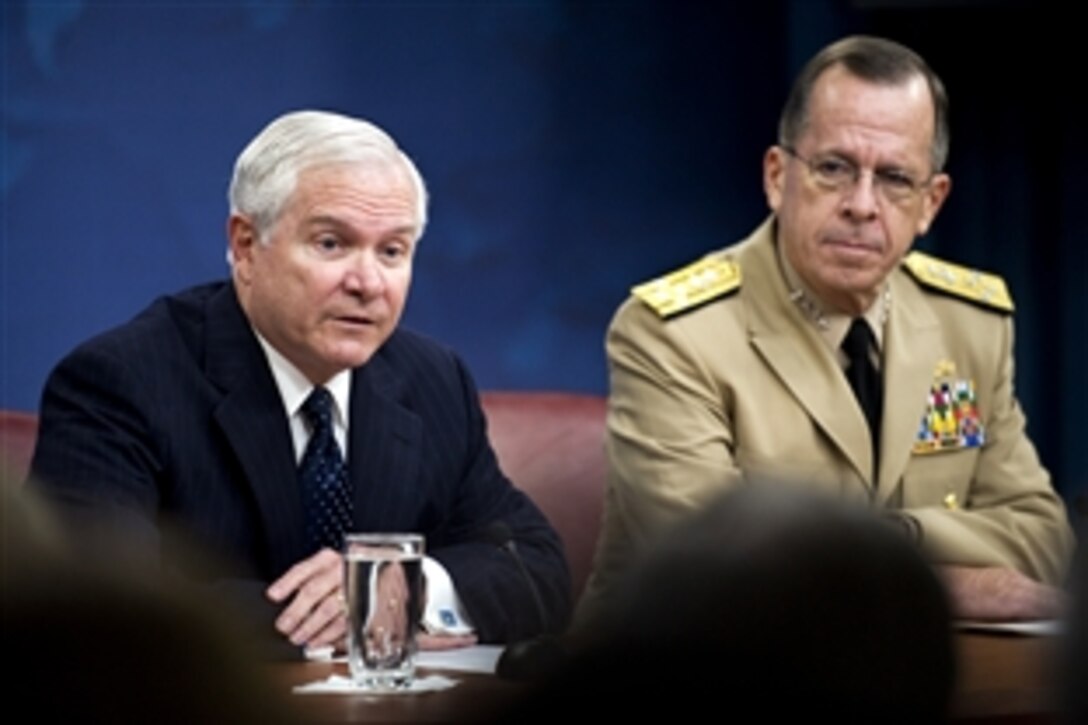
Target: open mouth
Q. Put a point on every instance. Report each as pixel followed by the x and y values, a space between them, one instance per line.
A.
pixel 354 321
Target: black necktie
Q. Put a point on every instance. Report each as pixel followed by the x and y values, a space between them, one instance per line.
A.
pixel 864 378
pixel 323 476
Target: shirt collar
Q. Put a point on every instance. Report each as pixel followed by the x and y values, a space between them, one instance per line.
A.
pixel 295 387
pixel 832 326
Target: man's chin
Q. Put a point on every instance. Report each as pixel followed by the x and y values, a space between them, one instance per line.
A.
pixel 345 352
pixel 354 354
pixel 856 278
pixel 849 289
pixel 349 362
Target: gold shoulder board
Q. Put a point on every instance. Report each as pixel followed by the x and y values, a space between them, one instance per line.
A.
pixel 690 286
pixel 985 289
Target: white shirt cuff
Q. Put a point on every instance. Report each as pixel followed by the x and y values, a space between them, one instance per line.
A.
pixel 444 613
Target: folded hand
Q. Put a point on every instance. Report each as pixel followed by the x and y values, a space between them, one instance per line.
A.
pixel 315 615
pixel 995 594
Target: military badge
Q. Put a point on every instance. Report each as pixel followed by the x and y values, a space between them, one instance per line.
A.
pixel 951 419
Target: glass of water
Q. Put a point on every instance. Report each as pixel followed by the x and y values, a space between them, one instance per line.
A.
pixel 383 578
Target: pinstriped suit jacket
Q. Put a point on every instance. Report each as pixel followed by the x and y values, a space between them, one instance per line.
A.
pixel 173 422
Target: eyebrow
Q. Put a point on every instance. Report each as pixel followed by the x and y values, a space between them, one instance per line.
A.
pixel 852 158
pixel 332 221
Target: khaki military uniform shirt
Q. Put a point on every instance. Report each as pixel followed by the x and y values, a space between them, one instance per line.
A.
pixel 742 386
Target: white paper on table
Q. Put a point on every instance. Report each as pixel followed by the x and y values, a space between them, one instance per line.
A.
pixel 477 658
pixel 338 684
pixel 1037 627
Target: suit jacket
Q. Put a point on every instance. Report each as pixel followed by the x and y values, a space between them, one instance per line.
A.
pixel 744 387
pixel 174 422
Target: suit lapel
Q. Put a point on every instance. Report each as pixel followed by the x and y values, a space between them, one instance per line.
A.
pixel 252 418
pixel 794 350
pixel 384 451
pixel 912 336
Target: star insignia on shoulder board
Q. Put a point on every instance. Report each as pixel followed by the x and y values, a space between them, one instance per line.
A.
pixel 988 290
pixel 688 287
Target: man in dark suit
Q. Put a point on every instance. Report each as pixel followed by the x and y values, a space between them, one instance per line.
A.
pixel 195 417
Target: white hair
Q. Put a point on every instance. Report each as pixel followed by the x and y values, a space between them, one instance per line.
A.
pixel 267 170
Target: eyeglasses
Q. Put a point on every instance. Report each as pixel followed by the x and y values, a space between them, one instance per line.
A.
pixel 835 173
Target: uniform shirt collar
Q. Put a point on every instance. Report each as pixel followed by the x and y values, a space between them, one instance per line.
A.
pixel 832 326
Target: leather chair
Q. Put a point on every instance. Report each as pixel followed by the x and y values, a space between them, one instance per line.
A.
pixel 550 444
pixel 18 431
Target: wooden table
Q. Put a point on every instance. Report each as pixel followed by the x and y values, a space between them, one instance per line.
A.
pixel 1001 678
pixel 1006 678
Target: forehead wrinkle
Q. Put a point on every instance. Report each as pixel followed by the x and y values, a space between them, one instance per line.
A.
pixel 862 120
pixel 346 205
pixel 337 220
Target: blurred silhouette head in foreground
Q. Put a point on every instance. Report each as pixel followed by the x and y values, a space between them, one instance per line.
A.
pixel 86 643
pixel 772 600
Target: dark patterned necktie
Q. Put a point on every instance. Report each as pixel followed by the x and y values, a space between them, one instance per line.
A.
pixel 323 476
pixel 864 378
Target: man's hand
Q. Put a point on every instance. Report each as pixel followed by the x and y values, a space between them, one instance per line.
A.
pixel 994 594
pixel 387 629
pixel 315 616
pixel 387 619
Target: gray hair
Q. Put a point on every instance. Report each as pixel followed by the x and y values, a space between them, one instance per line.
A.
pixel 267 170
pixel 877 60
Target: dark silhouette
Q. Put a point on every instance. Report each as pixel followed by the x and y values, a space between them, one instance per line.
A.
pixel 89 644
pixel 773 601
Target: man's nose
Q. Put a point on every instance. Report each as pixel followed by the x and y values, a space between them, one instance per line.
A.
pixel 860 200
pixel 364 275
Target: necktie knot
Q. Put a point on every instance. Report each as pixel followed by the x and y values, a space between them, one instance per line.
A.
pixel 858 341
pixel 317 409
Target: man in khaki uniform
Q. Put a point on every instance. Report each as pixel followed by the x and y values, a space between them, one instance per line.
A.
pixel 732 368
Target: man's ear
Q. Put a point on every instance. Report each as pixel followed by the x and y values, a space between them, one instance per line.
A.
pixel 935 194
pixel 242 238
pixel 774 172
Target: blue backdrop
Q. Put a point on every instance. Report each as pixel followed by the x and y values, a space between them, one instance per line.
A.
pixel 572 149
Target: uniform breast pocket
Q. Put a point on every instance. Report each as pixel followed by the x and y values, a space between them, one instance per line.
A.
pixel 940 479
